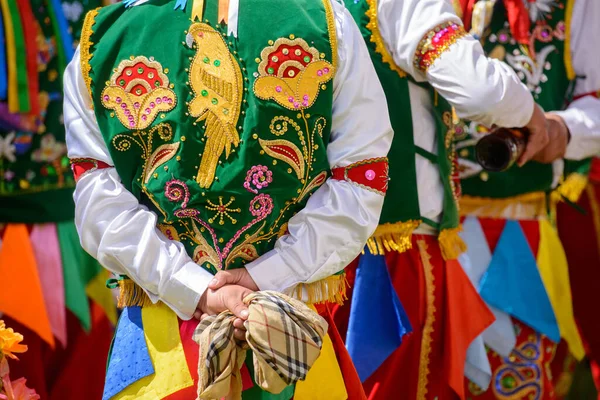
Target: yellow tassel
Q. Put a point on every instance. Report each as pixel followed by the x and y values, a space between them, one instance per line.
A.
pixel 131 295
pixel 572 187
pixel 331 289
pixel 392 237
pixel 451 243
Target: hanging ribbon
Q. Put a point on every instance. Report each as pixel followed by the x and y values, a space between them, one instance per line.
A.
pixel 3 61
pixel 180 4
pixel 518 18
pixel 223 11
pixel 61 31
pixel 30 34
pixel 198 10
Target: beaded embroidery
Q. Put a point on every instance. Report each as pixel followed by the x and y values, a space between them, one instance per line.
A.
pixel 217 83
pixel 436 42
pixel 291 74
pixel 138 91
pixel 85 46
pixel 257 177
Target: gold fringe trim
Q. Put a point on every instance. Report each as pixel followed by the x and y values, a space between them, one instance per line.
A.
pixel 85 46
pixel 451 243
pixel 131 295
pixel 392 237
pixel 568 57
pixel 525 206
pixel 572 187
pixel 332 32
pixel 331 289
pixel 373 27
pixel 429 320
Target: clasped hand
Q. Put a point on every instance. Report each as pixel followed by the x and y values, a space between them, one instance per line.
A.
pixel 227 291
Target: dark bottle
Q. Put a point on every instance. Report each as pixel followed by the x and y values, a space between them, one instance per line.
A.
pixel 498 151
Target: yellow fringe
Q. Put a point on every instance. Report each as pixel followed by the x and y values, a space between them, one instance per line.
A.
pixel 451 243
pixel 429 320
pixel 392 237
pixel 572 187
pixel 131 295
pixel 85 46
pixel 373 27
pixel 568 57
pixel 331 289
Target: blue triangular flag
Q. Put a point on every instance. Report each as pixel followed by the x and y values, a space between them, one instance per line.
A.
pixel 129 361
pixel 377 319
pixel 513 283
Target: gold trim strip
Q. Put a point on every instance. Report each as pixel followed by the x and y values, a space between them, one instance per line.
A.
pixel 85 46
pixel 567 56
pixel 429 320
pixel 332 32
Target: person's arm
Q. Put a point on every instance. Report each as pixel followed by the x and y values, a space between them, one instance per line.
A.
pixel 582 117
pixel 113 226
pixel 340 216
pixel 427 40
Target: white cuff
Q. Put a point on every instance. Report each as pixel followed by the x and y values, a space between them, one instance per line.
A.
pixel 184 289
pixel 583 143
pixel 270 272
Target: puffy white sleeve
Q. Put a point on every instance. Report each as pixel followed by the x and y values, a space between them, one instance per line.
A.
pixel 339 217
pixel 583 115
pixel 113 226
pixel 479 88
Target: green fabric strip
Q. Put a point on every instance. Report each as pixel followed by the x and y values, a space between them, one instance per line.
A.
pixel 79 268
pixel 62 58
pixel 427 154
pixel 21 53
pixel 256 393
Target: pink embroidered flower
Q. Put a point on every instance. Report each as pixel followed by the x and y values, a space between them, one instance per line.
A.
pixel 177 191
pixel 49 149
pixel 20 391
pixel 258 177
pixel 261 205
pixel 9 175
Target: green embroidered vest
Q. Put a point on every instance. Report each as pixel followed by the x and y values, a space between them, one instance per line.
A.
pixel 546 76
pixel 36 184
pixel 223 137
pixel 401 213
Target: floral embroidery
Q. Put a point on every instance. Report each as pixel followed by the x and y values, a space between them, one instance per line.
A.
pixel 7 147
pixel 217 83
pixel 539 9
pixel 138 91
pixel 291 74
pixel 49 149
pixel 258 177
pixel 287 151
pixel 260 207
pixel 222 210
pixel 436 42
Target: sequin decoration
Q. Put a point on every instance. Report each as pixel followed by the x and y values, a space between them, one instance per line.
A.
pixel 137 92
pixel 217 83
pixel 258 177
pixel 223 210
pixel 436 42
pixel 291 73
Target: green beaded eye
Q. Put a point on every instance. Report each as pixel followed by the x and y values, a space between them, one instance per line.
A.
pixel 204 93
pixel 214 101
pixel 122 82
pixel 206 60
pixel 157 83
pixel 217 63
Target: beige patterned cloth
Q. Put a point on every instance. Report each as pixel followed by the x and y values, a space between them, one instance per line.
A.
pixel 284 335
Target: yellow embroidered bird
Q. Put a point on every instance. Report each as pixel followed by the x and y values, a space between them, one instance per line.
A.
pixel 217 83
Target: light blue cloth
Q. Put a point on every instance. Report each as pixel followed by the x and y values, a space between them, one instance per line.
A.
pixel 513 283
pixel 377 319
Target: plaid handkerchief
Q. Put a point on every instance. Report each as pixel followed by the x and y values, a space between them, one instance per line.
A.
pixel 284 335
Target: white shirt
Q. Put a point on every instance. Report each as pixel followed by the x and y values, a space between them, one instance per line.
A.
pixel 479 88
pixel 323 238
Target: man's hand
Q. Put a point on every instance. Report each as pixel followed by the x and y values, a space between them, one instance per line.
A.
pixel 239 276
pixel 229 297
pixel 538 135
pixel 558 133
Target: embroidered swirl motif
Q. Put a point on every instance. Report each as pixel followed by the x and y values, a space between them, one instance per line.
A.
pixel 291 73
pixel 177 191
pixel 138 91
pixel 217 83
pixel 257 177
pixel 520 375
